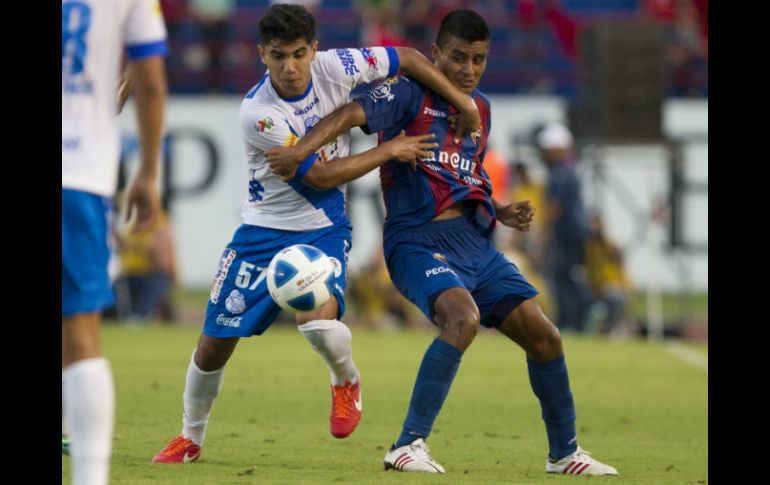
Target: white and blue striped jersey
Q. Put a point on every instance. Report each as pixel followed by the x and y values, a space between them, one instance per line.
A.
pixel 268 120
pixel 93 36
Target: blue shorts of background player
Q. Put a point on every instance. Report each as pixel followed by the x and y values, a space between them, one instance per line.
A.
pixel 240 304
pixel 424 262
pixel 85 284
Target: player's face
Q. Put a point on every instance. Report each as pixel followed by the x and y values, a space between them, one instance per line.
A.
pixel 462 62
pixel 289 65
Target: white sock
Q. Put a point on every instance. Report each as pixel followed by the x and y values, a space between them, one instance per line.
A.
pixel 201 388
pixel 89 407
pixel 331 339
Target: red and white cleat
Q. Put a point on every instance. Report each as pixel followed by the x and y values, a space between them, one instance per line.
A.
pixel 178 450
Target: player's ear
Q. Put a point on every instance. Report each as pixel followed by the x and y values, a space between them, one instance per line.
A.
pixel 262 53
pixel 313 49
pixel 435 52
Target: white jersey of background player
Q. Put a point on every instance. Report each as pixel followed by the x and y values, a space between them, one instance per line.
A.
pixel 301 86
pixel 95 34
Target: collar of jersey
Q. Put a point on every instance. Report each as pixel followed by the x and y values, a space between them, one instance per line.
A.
pixel 296 98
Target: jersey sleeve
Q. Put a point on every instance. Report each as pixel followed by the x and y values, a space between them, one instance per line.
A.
pixel 145 32
pixel 392 104
pixel 269 128
pixel 359 66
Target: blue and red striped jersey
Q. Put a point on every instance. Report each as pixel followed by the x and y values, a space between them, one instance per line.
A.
pixel 453 174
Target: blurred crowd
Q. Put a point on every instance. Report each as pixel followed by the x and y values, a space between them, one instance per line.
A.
pixel 534 49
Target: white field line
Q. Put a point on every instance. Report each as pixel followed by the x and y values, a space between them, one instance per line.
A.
pixel 686 354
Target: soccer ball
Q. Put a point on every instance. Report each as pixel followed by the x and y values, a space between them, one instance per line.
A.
pixel 300 278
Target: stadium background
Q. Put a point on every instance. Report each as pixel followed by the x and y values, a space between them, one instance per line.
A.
pixel 641 124
pixel 628 76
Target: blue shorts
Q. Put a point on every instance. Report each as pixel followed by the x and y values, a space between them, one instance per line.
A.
pixel 240 304
pixel 85 253
pixel 425 261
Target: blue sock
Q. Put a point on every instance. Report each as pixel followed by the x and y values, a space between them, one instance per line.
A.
pixel 550 382
pixel 437 371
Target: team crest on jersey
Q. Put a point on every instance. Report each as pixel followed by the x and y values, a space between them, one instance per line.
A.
pixel 440 257
pixel 311 122
pixel 476 136
pixel 337 266
pixel 265 125
pixel 369 57
pixel 228 256
pixel 382 91
pixel 235 302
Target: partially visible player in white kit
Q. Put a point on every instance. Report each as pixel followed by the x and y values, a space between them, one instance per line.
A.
pixel 301 87
pixel 95 36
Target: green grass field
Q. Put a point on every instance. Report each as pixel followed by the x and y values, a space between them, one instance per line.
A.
pixel 640 408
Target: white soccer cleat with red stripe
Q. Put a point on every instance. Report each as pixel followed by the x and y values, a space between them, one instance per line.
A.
pixel 414 457
pixel 579 463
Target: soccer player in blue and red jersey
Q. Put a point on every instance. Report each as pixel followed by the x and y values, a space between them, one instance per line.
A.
pixel 440 216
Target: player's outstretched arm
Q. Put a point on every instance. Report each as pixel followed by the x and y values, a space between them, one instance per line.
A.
pixel 149 83
pixel 416 65
pixel 284 161
pixel 324 176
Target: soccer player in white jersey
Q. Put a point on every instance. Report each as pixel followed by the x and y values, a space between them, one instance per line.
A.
pixel 301 86
pixel 94 37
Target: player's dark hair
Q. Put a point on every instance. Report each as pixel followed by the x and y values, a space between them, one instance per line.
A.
pixel 463 24
pixel 287 23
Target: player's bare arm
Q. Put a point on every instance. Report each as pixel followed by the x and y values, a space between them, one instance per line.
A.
pixel 284 161
pixel 149 79
pixel 324 176
pixel 518 215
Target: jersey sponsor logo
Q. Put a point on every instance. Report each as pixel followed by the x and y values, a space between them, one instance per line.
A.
pixel 228 256
pixel 438 270
pixel 311 122
pixel 265 125
pixel 306 109
pixel 454 160
pixel 440 257
pixel 235 302
pixel 369 57
pixel 435 113
pixel 348 61
pixel 228 321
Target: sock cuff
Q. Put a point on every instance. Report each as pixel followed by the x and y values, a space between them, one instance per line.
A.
pixel 444 352
pixel 203 372
pixel 555 365
pixel 319 325
pixel 85 364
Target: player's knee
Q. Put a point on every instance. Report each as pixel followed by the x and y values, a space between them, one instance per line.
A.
pixel 547 346
pixel 460 327
pixel 212 354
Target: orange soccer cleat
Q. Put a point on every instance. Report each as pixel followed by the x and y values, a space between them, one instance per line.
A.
pixel 178 450
pixel 346 409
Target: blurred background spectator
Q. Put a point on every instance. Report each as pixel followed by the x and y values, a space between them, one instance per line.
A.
pixel 147 276
pixel 560 251
pixel 608 281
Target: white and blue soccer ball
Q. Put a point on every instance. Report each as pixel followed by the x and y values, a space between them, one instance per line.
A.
pixel 300 278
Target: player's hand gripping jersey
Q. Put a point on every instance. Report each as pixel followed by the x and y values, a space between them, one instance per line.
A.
pixel 455 173
pixel 268 120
